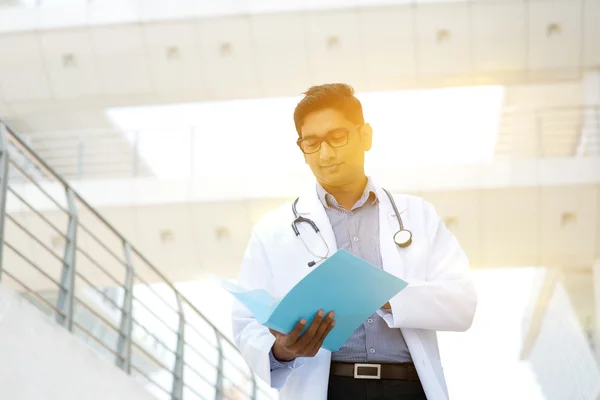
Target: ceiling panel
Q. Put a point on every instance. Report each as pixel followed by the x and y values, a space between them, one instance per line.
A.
pixel 164 234
pixel 389 48
pixel 443 40
pixel 499 231
pixel 220 235
pixel 259 208
pixel 121 60
pixel 335 48
pixel 461 212
pixel 111 41
pixel 280 48
pixel 228 58
pixel 4 110
pixel 568 225
pixel 74 78
pixel 22 74
pixel 554 34
pixel 123 219
pixel 591 25
pixel 174 57
pixel 504 26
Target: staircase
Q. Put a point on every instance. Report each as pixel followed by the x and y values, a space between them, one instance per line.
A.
pixel 553 132
pixel 91 281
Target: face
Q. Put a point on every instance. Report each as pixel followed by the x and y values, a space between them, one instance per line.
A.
pixel 336 166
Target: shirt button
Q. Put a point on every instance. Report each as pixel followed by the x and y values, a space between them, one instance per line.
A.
pixel 372 351
pixel 370 320
pixel 355 239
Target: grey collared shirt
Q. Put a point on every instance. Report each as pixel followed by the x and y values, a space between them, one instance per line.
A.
pixel 357 231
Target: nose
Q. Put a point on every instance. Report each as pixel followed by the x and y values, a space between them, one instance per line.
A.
pixel 326 153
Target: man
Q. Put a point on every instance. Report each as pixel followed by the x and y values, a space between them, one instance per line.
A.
pixel 398 342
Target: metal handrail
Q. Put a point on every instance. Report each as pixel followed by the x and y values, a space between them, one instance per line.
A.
pixel 130 351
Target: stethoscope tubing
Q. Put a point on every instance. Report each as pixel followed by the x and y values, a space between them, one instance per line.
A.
pixel 299 219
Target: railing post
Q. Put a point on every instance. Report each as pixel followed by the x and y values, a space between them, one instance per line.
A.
pixel 81 152
pixel 3 186
pixel 66 295
pixel 177 391
pixel 136 153
pixel 126 325
pixel 219 383
pixel 254 389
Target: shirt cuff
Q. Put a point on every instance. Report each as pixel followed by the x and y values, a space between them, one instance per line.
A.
pixel 276 364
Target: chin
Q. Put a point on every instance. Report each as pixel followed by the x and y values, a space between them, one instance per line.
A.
pixel 334 180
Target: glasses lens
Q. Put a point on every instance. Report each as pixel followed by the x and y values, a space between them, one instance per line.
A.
pixel 338 139
pixel 310 145
pixel 335 139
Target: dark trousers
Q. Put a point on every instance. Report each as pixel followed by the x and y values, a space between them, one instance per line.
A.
pixel 348 388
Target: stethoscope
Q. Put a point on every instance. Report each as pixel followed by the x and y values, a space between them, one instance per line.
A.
pixel 403 238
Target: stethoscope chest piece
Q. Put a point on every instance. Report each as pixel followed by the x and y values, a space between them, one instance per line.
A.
pixel 403 238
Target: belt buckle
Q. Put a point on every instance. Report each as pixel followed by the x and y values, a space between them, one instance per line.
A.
pixel 359 376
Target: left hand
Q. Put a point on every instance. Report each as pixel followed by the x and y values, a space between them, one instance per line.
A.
pixel 386 306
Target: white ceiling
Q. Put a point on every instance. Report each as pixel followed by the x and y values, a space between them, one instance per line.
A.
pixel 374 48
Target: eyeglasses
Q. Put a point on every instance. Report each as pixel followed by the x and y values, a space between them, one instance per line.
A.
pixel 334 139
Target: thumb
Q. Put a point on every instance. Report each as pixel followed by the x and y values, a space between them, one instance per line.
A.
pixel 274 333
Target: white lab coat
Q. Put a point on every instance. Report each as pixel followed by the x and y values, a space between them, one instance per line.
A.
pixel 440 295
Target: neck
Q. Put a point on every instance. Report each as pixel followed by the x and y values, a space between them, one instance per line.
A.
pixel 347 195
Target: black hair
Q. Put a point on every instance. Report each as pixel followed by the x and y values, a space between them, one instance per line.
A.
pixel 338 96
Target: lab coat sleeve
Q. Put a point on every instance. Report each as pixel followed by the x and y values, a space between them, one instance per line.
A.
pixel 254 340
pixel 446 300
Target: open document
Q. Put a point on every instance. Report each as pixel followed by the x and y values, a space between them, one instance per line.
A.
pixel 344 284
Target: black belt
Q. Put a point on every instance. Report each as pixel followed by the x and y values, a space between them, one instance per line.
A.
pixel 401 371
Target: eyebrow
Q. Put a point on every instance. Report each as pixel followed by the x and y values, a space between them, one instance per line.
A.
pixel 326 133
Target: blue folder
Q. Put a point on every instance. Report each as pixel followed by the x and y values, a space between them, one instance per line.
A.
pixel 344 283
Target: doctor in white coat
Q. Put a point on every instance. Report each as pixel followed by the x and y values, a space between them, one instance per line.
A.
pixel 394 355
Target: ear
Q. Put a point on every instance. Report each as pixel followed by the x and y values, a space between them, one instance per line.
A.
pixel 366 133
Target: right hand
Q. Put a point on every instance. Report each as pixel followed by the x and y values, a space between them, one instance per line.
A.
pixel 288 347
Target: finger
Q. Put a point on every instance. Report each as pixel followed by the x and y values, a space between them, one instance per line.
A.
pixel 319 344
pixel 310 332
pixel 319 333
pixel 292 337
pixel 320 338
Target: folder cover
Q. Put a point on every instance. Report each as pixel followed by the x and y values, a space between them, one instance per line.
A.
pixel 345 284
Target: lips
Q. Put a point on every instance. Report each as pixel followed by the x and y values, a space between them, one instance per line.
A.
pixel 330 168
pixel 331 165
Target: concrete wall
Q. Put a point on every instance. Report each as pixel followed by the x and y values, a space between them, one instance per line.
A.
pixel 41 360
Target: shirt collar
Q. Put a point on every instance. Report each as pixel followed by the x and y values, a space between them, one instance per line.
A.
pixel 328 201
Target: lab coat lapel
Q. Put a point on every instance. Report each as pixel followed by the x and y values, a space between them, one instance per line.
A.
pixel 388 226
